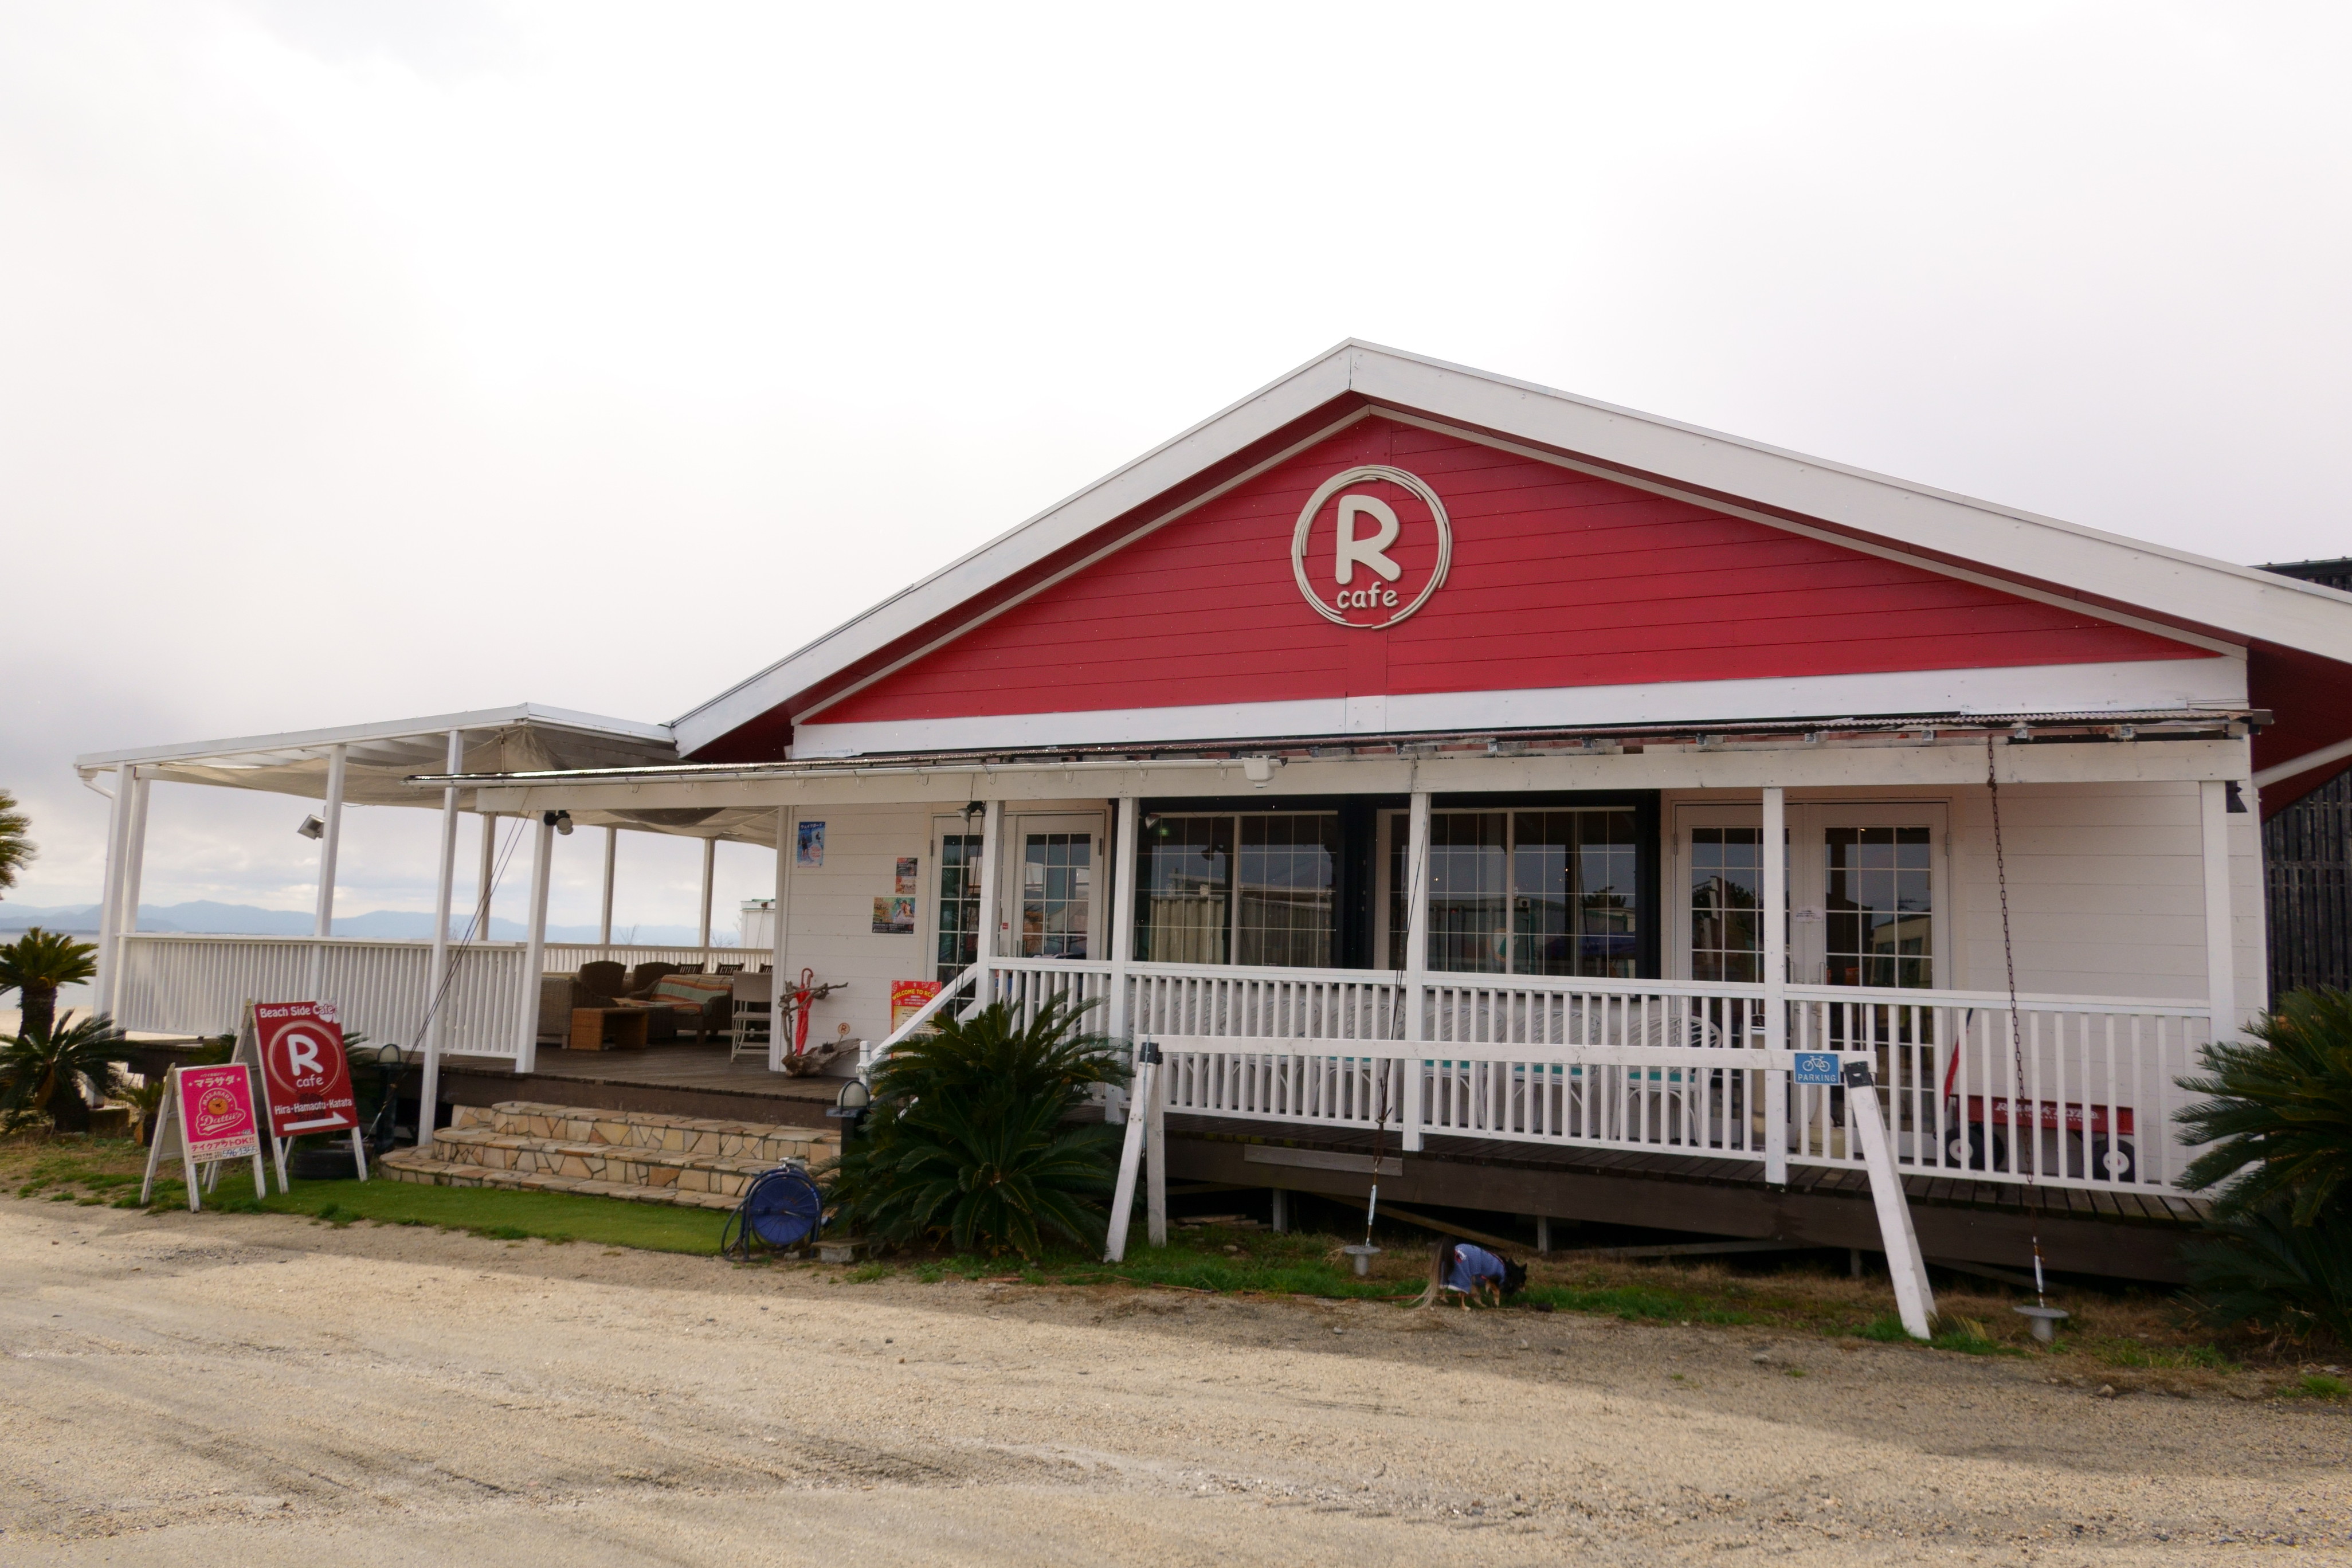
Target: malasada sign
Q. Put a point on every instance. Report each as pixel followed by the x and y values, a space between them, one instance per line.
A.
pixel 1371 546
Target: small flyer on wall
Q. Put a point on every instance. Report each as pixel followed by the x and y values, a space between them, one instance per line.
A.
pixel 809 853
pixel 893 916
pixel 906 875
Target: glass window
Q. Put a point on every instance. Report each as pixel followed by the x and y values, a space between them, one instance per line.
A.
pixel 1881 922
pixel 1247 888
pixel 1056 891
pixel 1726 872
pixel 1183 907
pixel 1283 880
pixel 958 946
pixel 1524 892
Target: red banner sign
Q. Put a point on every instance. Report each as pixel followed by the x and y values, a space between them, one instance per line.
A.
pixel 216 1113
pixel 303 1070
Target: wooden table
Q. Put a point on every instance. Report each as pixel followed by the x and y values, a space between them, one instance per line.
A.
pixel 591 1027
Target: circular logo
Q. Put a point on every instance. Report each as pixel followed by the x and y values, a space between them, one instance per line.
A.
pixel 1371 546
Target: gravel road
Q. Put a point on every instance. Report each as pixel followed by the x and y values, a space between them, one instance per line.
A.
pixel 272 1391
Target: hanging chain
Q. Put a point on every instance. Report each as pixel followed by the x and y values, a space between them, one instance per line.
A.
pixel 2016 1025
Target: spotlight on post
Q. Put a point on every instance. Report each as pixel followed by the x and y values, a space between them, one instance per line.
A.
pixel 312 827
pixel 850 1105
pixel 559 820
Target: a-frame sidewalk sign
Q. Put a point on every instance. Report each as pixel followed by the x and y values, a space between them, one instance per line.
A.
pixel 296 1050
pixel 209 1116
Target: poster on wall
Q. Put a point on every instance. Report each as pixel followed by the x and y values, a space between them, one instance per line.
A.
pixel 893 916
pixel 906 875
pixel 810 852
pixel 909 997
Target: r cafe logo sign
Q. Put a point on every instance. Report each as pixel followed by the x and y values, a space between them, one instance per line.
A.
pixel 1371 547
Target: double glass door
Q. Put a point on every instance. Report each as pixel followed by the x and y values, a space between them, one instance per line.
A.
pixel 1865 894
pixel 1047 909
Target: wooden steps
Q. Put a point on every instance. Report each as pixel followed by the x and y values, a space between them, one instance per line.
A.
pixel 689 1161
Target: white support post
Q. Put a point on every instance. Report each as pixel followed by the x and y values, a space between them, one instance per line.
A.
pixel 1122 932
pixel 1774 854
pixel 991 886
pixel 436 981
pixel 1416 960
pixel 1281 1211
pixel 134 862
pixel 604 915
pixel 1131 1159
pixel 2220 943
pixel 329 845
pixel 483 886
pixel 709 866
pixel 1543 1236
pixel 778 1042
pixel 110 903
pixel 534 959
pixel 1915 1297
pixel 1155 1162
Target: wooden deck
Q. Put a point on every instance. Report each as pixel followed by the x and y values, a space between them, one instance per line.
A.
pixel 2124 1235
pixel 677 1079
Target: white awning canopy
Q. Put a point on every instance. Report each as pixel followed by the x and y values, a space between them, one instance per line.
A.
pixel 379 758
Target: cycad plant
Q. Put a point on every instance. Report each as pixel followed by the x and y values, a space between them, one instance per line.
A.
pixel 968 1140
pixel 59 1073
pixel 2261 1269
pixel 36 964
pixel 2277 1122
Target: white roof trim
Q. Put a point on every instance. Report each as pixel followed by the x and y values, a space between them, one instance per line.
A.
pixel 2235 600
pixel 529 713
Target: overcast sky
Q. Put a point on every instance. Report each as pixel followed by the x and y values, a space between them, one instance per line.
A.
pixel 367 359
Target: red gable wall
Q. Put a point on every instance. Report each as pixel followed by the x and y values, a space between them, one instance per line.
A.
pixel 1557 579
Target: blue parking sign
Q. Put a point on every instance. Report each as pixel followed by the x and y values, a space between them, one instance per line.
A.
pixel 1817 1066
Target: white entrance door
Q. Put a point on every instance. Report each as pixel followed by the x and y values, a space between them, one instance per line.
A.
pixel 1056 879
pixel 1867 887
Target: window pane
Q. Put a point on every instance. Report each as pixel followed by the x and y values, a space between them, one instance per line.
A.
pixel 958 944
pixel 1572 878
pixel 1056 894
pixel 1286 871
pixel 1727 882
pixel 1184 890
pixel 1881 927
pixel 1469 889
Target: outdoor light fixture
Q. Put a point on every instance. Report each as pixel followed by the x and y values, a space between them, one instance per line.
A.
pixel 974 808
pixel 850 1105
pixel 559 820
pixel 312 828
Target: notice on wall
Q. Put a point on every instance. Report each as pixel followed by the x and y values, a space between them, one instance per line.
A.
pixel 909 997
pixel 905 883
pixel 808 852
pixel 305 1077
pixel 893 916
pixel 216 1107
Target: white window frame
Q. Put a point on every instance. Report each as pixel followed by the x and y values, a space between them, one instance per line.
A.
pixel 1008 889
pixel 1808 882
pixel 1234 905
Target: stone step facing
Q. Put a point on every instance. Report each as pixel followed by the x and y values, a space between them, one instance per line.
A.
pixel 690 1161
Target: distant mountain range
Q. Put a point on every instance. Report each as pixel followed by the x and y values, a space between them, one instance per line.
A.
pixel 208 917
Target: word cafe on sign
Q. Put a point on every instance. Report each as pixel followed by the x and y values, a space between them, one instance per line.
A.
pixel 1406 749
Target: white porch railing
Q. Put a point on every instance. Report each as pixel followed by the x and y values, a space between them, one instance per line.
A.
pixel 178 984
pixel 175 984
pixel 1656 1066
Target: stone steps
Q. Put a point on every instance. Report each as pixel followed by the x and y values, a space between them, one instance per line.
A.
pixel 690 1161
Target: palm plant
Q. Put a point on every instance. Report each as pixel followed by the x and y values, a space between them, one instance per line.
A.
pixel 2260 1267
pixel 968 1140
pixel 15 841
pixel 36 964
pixel 58 1073
pixel 2277 1125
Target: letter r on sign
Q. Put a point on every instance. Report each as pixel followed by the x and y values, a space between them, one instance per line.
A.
pixel 1353 550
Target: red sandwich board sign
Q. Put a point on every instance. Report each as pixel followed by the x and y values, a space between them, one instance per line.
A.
pixel 306 1078
pixel 211 1112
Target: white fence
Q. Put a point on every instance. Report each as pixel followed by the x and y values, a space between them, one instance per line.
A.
pixel 175 984
pixel 2081 1097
